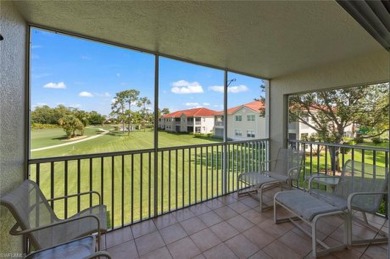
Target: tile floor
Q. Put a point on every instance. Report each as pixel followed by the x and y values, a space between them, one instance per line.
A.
pixel 230 227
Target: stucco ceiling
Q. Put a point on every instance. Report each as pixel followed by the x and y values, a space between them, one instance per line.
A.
pixel 262 38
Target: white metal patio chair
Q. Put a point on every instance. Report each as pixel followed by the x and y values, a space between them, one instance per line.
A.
pixel 361 187
pixel 282 171
pixel 36 220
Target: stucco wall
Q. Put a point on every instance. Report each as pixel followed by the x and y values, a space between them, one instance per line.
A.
pixel 369 68
pixel 12 116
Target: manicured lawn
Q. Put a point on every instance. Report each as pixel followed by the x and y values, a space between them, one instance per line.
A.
pixel 111 142
pixel 50 137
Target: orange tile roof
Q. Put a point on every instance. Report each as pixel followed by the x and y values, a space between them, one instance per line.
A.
pixel 195 112
pixel 254 105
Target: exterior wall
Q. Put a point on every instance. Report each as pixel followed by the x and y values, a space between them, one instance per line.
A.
pixel 207 125
pixel 258 126
pixel 12 116
pixel 365 69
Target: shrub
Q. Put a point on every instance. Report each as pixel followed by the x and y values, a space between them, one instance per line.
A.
pixel 377 140
pixel 358 140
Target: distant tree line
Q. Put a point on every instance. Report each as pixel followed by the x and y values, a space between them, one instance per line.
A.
pixel 72 120
pixel 128 109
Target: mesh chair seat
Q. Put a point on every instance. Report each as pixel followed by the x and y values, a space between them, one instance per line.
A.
pixel 36 219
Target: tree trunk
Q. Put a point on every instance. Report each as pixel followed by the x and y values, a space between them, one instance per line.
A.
pixel 334 158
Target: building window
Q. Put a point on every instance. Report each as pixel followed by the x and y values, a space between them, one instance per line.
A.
pixel 238 118
pixel 250 117
pixel 237 133
pixel 250 133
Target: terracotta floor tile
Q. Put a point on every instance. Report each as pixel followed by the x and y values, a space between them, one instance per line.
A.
pixel 183 214
pixel 183 248
pixel 259 237
pixel 224 231
pixel 239 207
pixel 228 227
pixel 143 228
pixel 260 255
pixel 164 220
pixel 300 244
pixel 205 239
pixel 214 204
pixel 210 218
pixel 228 199
pixel 248 201
pixel 160 253
pixel 173 233
pixel 277 249
pixel 240 223
pixel 149 242
pixel 226 212
pixel 220 251
pixel 254 216
pixel 199 209
pixel 241 246
pixel 193 225
pixel 118 236
pixel 124 250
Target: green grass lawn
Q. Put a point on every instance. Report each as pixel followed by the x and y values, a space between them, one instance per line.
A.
pixel 111 142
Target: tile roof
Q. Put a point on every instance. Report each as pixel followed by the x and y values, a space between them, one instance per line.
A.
pixel 254 105
pixel 195 112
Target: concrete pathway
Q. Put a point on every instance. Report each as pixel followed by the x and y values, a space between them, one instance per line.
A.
pixel 103 132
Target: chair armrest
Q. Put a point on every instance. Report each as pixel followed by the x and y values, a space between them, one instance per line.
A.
pixel 77 195
pixel 353 195
pixel 313 177
pixel 14 230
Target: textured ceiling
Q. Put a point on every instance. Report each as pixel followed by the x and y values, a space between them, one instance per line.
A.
pixel 262 38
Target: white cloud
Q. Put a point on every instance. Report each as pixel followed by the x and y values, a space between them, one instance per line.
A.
pixel 85 94
pixel 192 104
pixel 237 89
pixel 231 89
pixel 59 85
pixel 36 46
pixel 206 104
pixel 184 87
pixel 216 88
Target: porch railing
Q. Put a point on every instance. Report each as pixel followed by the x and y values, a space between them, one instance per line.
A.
pixel 329 158
pixel 138 185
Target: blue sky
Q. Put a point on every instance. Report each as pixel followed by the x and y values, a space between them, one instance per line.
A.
pixel 84 74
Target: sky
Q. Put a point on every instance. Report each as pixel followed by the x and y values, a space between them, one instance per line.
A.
pixel 84 74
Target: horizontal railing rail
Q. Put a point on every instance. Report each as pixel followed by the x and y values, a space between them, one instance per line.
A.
pixel 141 184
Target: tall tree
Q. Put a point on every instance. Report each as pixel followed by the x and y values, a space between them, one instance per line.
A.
pixel 142 102
pixel 121 107
pixel 330 112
